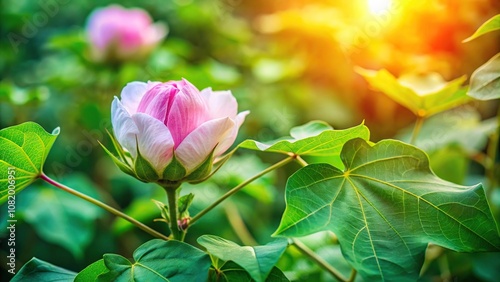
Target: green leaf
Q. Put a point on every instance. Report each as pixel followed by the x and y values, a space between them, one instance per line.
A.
pixel 67 221
pixel 315 138
pixel 485 81
pixel 91 272
pixel 257 261
pixel 385 208
pixel 159 260
pixel 183 204
pixel 39 270
pixel 489 26
pixel 424 95
pixel 231 271
pixel 24 150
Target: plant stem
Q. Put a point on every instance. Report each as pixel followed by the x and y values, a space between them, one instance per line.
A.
pixel 416 129
pixel 353 275
pixel 321 262
pixel 172 209
pixel 239 187
pixel 301 161
pixel 100 204
pixel 238 225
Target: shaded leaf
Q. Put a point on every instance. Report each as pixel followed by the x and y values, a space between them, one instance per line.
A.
pixel 315 138
pixel 485 81
pixel 232 272
pixel 159 260
pixel 91 272
pixel 385 208
pixel 424 95
pixel 489 26
pixel 24 150
pixel 257 261
pixel 39 270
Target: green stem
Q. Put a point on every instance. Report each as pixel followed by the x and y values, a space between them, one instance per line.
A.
pixel 104 206
pixel 238 224
pixel 416 129
pixel 239 187
pixel 321 262
pixel 353 275
pixel 172 209
pixel 301 161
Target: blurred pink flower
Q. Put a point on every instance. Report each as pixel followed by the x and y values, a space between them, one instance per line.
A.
pixel 116 33
pixel 162 122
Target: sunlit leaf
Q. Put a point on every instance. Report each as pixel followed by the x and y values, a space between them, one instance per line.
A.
pixel 24 148
pixel 230 271
pixel 489 26
pixel 257 261
pixel 158 260
pixel 385 207
pixel 485 81
pixel 424 95
pixel 39 270
pixel 314 138
pixel 60 222
pixel 91 272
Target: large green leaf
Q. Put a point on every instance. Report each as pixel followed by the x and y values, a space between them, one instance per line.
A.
pixel 424 95
pixel 489 26
pixel 315 138
pixel 485 81
pixel 91 272
pixel 257 261
pixel 60 222
pixel 232 272
pixel 385 207
pixel 39 270
pixel 159 260
pixel 24 148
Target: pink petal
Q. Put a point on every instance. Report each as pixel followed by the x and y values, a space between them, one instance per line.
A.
pixel 124 127
pixel 155 141
pixel 229 140
pixel 132 94
pixel 197 146
pixel 187 112
pixel 220 103
pixel 156 101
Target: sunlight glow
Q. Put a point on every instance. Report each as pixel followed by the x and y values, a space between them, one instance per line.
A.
pixel 378 7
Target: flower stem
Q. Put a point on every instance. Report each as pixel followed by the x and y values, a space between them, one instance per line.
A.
pixel 353 275
pixel 172 209
pixel 239 187
pixel 321 262
pixel 416 129
pixel 100 204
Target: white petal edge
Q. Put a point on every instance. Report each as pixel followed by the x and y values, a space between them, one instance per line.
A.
pixel 132 94
pixel 229 140
pixel 220 103
pixel 155 141
pixel 197 146
pixel 124 127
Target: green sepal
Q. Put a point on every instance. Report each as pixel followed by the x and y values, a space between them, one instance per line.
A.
pixel 202 171
pixel 174 171
pixel 183 205
pixel 118 148
pixel 120 164
pixel 163 210
pixel 144 170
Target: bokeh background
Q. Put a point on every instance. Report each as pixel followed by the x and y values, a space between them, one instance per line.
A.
pixel 288 62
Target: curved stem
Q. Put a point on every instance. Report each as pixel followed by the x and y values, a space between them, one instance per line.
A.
pixel 416 129
pixel 239 187
pixel 353 275
pixel 238 225
pixel 321 262
pixel 301 161
pixel 104 206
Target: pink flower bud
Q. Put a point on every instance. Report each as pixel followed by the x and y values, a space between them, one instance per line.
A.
pixel 174 124
pixel 116 33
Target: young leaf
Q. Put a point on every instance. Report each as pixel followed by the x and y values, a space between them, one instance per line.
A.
pixel 24 150
pixel 385 208
pixel 315 138
pixel 231 271
pixel 91 272
pixel 489 26
pixel 485 81
pixel 159 260
pixel 257 261
pixel 39 270
pixel 424 95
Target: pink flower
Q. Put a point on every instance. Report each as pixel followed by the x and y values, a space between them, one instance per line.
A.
pixel 116 33
pixel 174 127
